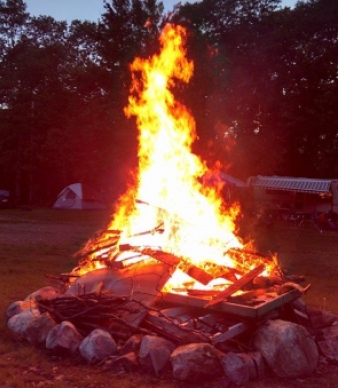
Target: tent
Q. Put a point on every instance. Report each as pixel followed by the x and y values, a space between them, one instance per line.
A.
pixel 78 196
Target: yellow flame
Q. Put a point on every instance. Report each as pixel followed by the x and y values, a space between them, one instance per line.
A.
pixel 168 174
pixel 168 185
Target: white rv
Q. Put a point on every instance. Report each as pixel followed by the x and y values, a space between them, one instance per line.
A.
pixel 303 195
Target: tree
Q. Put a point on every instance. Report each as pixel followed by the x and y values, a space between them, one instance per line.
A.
pixel 271 87
pixel 128 28
pixel 48 74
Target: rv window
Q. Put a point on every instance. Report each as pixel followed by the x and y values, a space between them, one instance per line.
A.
pixel 325 196
pixel 284 193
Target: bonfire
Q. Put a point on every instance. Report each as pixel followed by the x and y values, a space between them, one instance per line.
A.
pixel 169 213
pixel 170 242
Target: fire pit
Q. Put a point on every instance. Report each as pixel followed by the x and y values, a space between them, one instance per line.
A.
pixel 168 282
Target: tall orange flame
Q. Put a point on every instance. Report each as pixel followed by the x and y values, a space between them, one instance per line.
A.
pixel 168 174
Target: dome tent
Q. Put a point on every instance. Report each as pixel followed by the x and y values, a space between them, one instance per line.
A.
pixel 78 196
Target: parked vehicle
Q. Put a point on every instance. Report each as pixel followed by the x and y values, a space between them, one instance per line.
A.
pixel 290 195
pixel 4 198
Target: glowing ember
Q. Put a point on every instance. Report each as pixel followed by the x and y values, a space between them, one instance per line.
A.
pixel 182 216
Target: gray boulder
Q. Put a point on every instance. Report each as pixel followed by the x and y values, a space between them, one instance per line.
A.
pixel 236 370
pixel 38 329
pixel 19 306
pixel 98 345
pixel 196 362
pixel 47 292
pixel 155 353
pixel 18 323
pixel 63 339
pixel 287 348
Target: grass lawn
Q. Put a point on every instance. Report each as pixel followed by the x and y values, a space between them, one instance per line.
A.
pixel 42 241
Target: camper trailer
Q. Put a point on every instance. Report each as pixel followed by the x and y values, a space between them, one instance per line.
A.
pixel 303 195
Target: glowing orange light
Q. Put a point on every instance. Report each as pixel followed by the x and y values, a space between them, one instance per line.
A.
pixel 168 184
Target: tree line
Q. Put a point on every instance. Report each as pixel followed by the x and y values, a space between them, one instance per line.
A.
pixel 264 92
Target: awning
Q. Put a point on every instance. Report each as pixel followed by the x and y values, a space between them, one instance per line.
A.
pixel 232 180
pixel 303 185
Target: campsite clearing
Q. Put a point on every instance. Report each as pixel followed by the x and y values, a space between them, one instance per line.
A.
pixel 42 241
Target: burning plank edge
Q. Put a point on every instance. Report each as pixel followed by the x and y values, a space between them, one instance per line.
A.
pixel 173 260
pixel 245 279
pixel 141 282
pixel 250 312
pixel 108 243
pixel 190 269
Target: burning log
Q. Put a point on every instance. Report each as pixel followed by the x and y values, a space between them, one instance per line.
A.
pixel 106 243
pixel 194 292
pixel 242 258
pixel 292 286
pixel 222 271
pixel 261 282
pixel 101 243
pixel 223 295
pixel 193 271
pixel 250 296
pixel 173 260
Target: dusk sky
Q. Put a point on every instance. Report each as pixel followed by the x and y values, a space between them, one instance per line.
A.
pixel 87 9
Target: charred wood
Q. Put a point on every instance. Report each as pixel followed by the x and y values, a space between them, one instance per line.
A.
pixel 243 259
pixel 173 260
pixel 96 246
pixel 166 328
pixel 245 279
pixel 116 314
pixel 249 296
pixel 288 286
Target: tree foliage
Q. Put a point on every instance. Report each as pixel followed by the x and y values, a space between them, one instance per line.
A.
pixel 264 92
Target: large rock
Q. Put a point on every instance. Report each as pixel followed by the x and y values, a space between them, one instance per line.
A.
pixel 236 370
pixel 98 345
pixel 127 362
pixel 328 344
pixel 255 363
pixel 18 323
pixel 133 344
pixel 47 292
pixel 64 339
pixel 19 306
pixel 38 329
pixel 287 348
pixel 155 353
pixel 239 368
pixel 196 362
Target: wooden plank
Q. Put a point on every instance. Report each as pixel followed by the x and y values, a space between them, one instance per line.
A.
pixel 245 279
pixel 168 329
pixel 140 282
pixel 233 331
pixel 168 258
pixel 251 312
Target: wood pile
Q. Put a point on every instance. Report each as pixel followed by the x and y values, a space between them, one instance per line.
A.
pixel 114 308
